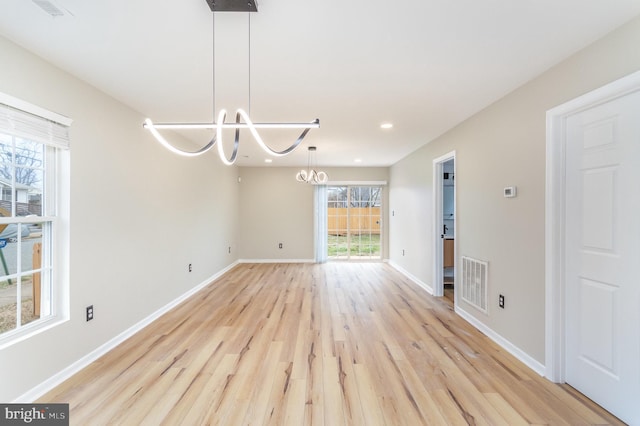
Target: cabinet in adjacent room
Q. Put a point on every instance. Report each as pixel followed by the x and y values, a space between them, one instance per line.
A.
pixel 448 254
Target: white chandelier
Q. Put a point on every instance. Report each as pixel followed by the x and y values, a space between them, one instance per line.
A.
pixel 311 175
pixel 242 120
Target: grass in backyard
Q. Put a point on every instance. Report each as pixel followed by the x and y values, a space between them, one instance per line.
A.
pixel 361 245
pixel 8 315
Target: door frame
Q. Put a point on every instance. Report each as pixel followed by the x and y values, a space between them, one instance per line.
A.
pixel 555 192
pixel 438 219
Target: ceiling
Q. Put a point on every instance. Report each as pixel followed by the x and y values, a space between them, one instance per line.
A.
pixel 423 65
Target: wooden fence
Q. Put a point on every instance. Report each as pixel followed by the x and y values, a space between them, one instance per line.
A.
pixel 22 209
pixel 361 220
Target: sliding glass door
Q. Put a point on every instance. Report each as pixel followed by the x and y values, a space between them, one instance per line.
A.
pixel 353 222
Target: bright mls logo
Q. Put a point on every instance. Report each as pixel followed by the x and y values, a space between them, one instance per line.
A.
pixel 34 414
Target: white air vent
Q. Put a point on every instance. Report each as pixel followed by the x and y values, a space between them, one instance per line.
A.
pixel 474 282
pixel 49 7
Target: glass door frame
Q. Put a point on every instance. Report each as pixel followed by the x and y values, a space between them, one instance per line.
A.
pixel 340 197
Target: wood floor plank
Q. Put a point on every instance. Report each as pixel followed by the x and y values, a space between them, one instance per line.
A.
pixel 314 403
pixel 316 344
pixel 417 393
pixel 351 404
pixel 206 403
pixel 449 408
pixel 301 351
pixel 186 400
pixel 145 404
pixel 605 416
pixel 295 406
pixel 372 411
pixel 275 412
pixel 265 379
pixel 333 399
pixel 512 417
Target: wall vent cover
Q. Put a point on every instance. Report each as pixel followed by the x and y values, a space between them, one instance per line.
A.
pixel 474 282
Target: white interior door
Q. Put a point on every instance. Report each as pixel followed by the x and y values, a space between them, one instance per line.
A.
pixel 602 249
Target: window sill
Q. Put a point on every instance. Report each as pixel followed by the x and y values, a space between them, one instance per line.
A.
pixel 13 337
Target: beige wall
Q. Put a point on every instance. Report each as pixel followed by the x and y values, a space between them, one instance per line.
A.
pixel 503 145
pixel 139 216
pixel 275 208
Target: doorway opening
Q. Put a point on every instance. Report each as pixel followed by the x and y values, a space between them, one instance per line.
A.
pixel 448 226
pixel 354 222
pixel 444 226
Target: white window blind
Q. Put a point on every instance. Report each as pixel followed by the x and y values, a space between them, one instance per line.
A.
pixel 321 223
pixel 24 120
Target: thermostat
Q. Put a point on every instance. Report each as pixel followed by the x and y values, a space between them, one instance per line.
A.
pixel 510 192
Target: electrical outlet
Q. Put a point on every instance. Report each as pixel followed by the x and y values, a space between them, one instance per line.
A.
pixel 229 249
pixel 501 301
pixel 89 313
pixel 190 268
pixel 280 245
pixel 403 252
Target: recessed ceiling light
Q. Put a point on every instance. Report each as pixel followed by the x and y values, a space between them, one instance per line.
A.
pixel 358 160
pixel 386 125
pixel 268 160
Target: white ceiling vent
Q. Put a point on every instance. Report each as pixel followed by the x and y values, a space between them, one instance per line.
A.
pixel 50 8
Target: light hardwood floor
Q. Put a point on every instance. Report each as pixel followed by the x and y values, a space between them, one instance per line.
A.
pixel 301 344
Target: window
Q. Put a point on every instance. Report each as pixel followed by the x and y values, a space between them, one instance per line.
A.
pixel 33 146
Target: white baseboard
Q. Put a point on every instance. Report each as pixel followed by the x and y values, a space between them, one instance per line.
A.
pixel 53 381
pixel 504 343
pixel 535 365
pixel 276 261
pixel 413 278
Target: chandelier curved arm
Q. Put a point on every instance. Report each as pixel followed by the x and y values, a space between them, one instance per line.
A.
pixel 321 177
pixel 148 124
pixel 302 176
pixel 236 143
pixel 312 176
pixel 219 126
pixel 258 139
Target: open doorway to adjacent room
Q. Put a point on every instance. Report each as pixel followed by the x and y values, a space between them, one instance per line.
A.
pixel 444 192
